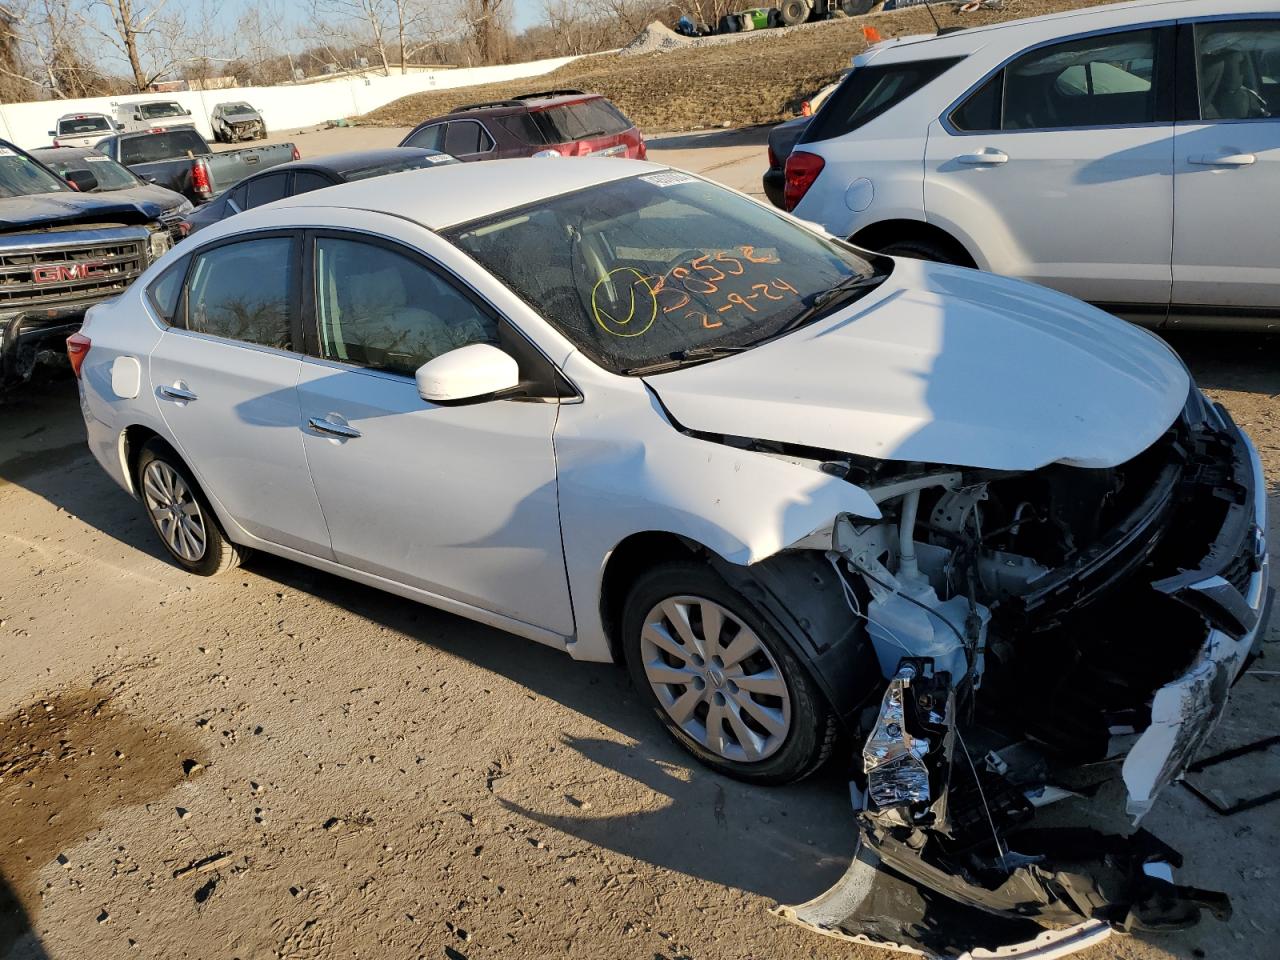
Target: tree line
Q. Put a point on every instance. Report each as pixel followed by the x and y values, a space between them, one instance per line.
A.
pixel 64 49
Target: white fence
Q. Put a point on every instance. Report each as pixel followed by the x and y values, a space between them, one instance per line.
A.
pixel 284 108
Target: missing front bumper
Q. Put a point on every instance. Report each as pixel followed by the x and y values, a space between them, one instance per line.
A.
pixel 923 882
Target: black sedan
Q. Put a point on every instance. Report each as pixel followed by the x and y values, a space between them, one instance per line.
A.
pixel 303 176
pixel 90 171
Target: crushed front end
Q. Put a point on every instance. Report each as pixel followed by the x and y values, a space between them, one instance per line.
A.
pixel 1039 634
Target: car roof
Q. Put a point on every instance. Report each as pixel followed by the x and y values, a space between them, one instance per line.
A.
pixel 341 163
pixel 1049 26
pixel 451 194
pixel 526 102
pixel 68 153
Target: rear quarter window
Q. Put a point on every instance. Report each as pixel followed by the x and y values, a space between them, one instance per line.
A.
pixel 869 91
pixel 166 290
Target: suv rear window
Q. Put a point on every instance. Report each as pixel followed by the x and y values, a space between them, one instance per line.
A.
pixel 580 121
pixel 868 92
pixel 160 146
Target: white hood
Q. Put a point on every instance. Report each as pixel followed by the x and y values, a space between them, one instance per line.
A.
pixel 947 366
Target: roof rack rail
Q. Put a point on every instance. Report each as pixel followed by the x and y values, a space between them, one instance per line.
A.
pixel 485 105
pixel 550 93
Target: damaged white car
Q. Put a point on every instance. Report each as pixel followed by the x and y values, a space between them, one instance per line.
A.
pixel 992 540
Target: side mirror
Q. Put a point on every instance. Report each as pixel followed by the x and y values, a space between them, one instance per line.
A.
pixel 53 133
pixel 82 180
pixel 474 372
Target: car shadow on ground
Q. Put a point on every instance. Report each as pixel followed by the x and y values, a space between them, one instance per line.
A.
pixel 703 139
pixel 1231 361
pixel 787 843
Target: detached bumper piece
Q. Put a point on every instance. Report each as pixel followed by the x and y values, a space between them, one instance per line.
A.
pixel 1074 888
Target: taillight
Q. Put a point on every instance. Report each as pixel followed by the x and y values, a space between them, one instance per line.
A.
pixel 77 349
pixel 200 181
pixel 56 143
pixel 643 153
pixel 296 154
pixel 801 170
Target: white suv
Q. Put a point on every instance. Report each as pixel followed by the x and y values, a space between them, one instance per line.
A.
pixel 1128 155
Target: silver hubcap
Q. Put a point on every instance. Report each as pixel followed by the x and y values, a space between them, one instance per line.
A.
pixel 174 509
pixel 715 678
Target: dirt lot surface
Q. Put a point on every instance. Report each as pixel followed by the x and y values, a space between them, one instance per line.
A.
pixel 759 77
pixel 282 764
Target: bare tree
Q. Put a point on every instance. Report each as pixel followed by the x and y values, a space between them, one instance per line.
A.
pixel 485 25
pixel 363 24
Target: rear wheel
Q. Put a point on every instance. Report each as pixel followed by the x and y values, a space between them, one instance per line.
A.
pixel 793 12
pixel 856 8
pixel 721 680
pixel 180 515
pixel 919 250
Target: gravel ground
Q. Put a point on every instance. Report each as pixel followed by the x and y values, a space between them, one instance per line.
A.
pixel 748 78
pixel 279 763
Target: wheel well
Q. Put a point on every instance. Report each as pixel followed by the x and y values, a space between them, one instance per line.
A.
pixel 132 441
pixel 880 235
pixel 630 558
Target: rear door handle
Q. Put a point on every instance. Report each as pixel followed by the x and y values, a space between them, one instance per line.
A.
pixel 984 158
pixel 329 428
pixel 1224 160
pixel 177 394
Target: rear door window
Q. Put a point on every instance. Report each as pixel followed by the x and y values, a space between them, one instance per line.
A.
pixel 868 92
pixel 1107 80
pixel 307 180
pixel 265 189
pixel 466 137
pixel 242 291
pixel 165 291
pixel 1238 69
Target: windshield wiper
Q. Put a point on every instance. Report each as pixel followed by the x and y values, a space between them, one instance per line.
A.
pixel 683 358
pixel 829 300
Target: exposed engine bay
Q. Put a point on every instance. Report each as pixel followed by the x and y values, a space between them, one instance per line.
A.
pixel 1038 634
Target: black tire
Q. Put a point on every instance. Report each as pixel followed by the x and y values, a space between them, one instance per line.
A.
pixel 218 554
pixel 775 18
pixel 728 24
pixel 920 250
pixel 856 8
pixel 792 12
pixel 811 733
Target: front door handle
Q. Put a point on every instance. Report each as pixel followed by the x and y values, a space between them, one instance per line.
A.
pixel 177 394
pixel 329 428
pixel 1224 160
pixel 984 158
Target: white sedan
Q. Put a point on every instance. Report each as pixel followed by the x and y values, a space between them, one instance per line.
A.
pixel 804 492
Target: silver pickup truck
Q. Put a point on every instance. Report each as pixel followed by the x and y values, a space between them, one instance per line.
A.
pixel 182 160
pixel 61 252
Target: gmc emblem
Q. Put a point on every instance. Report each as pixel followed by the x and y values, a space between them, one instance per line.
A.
pixel 65 272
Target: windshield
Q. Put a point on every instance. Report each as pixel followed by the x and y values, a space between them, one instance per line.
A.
pixel 22 177
pixel 79 126
pixel 232 108
pixel 160 146
pixel 109 174
pixel 399 166
pixel 154 111
pixel 641 270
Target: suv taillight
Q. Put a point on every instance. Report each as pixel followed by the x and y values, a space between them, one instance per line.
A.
pixel 801 170
pixel 643 153
pixel 200 182
pixel 77 349
pixel 296 154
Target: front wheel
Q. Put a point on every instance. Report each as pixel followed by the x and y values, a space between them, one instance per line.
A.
pixel 793 12
pixel 721 680
pixel 180 513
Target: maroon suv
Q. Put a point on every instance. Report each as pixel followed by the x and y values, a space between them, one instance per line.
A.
pixel 567 123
